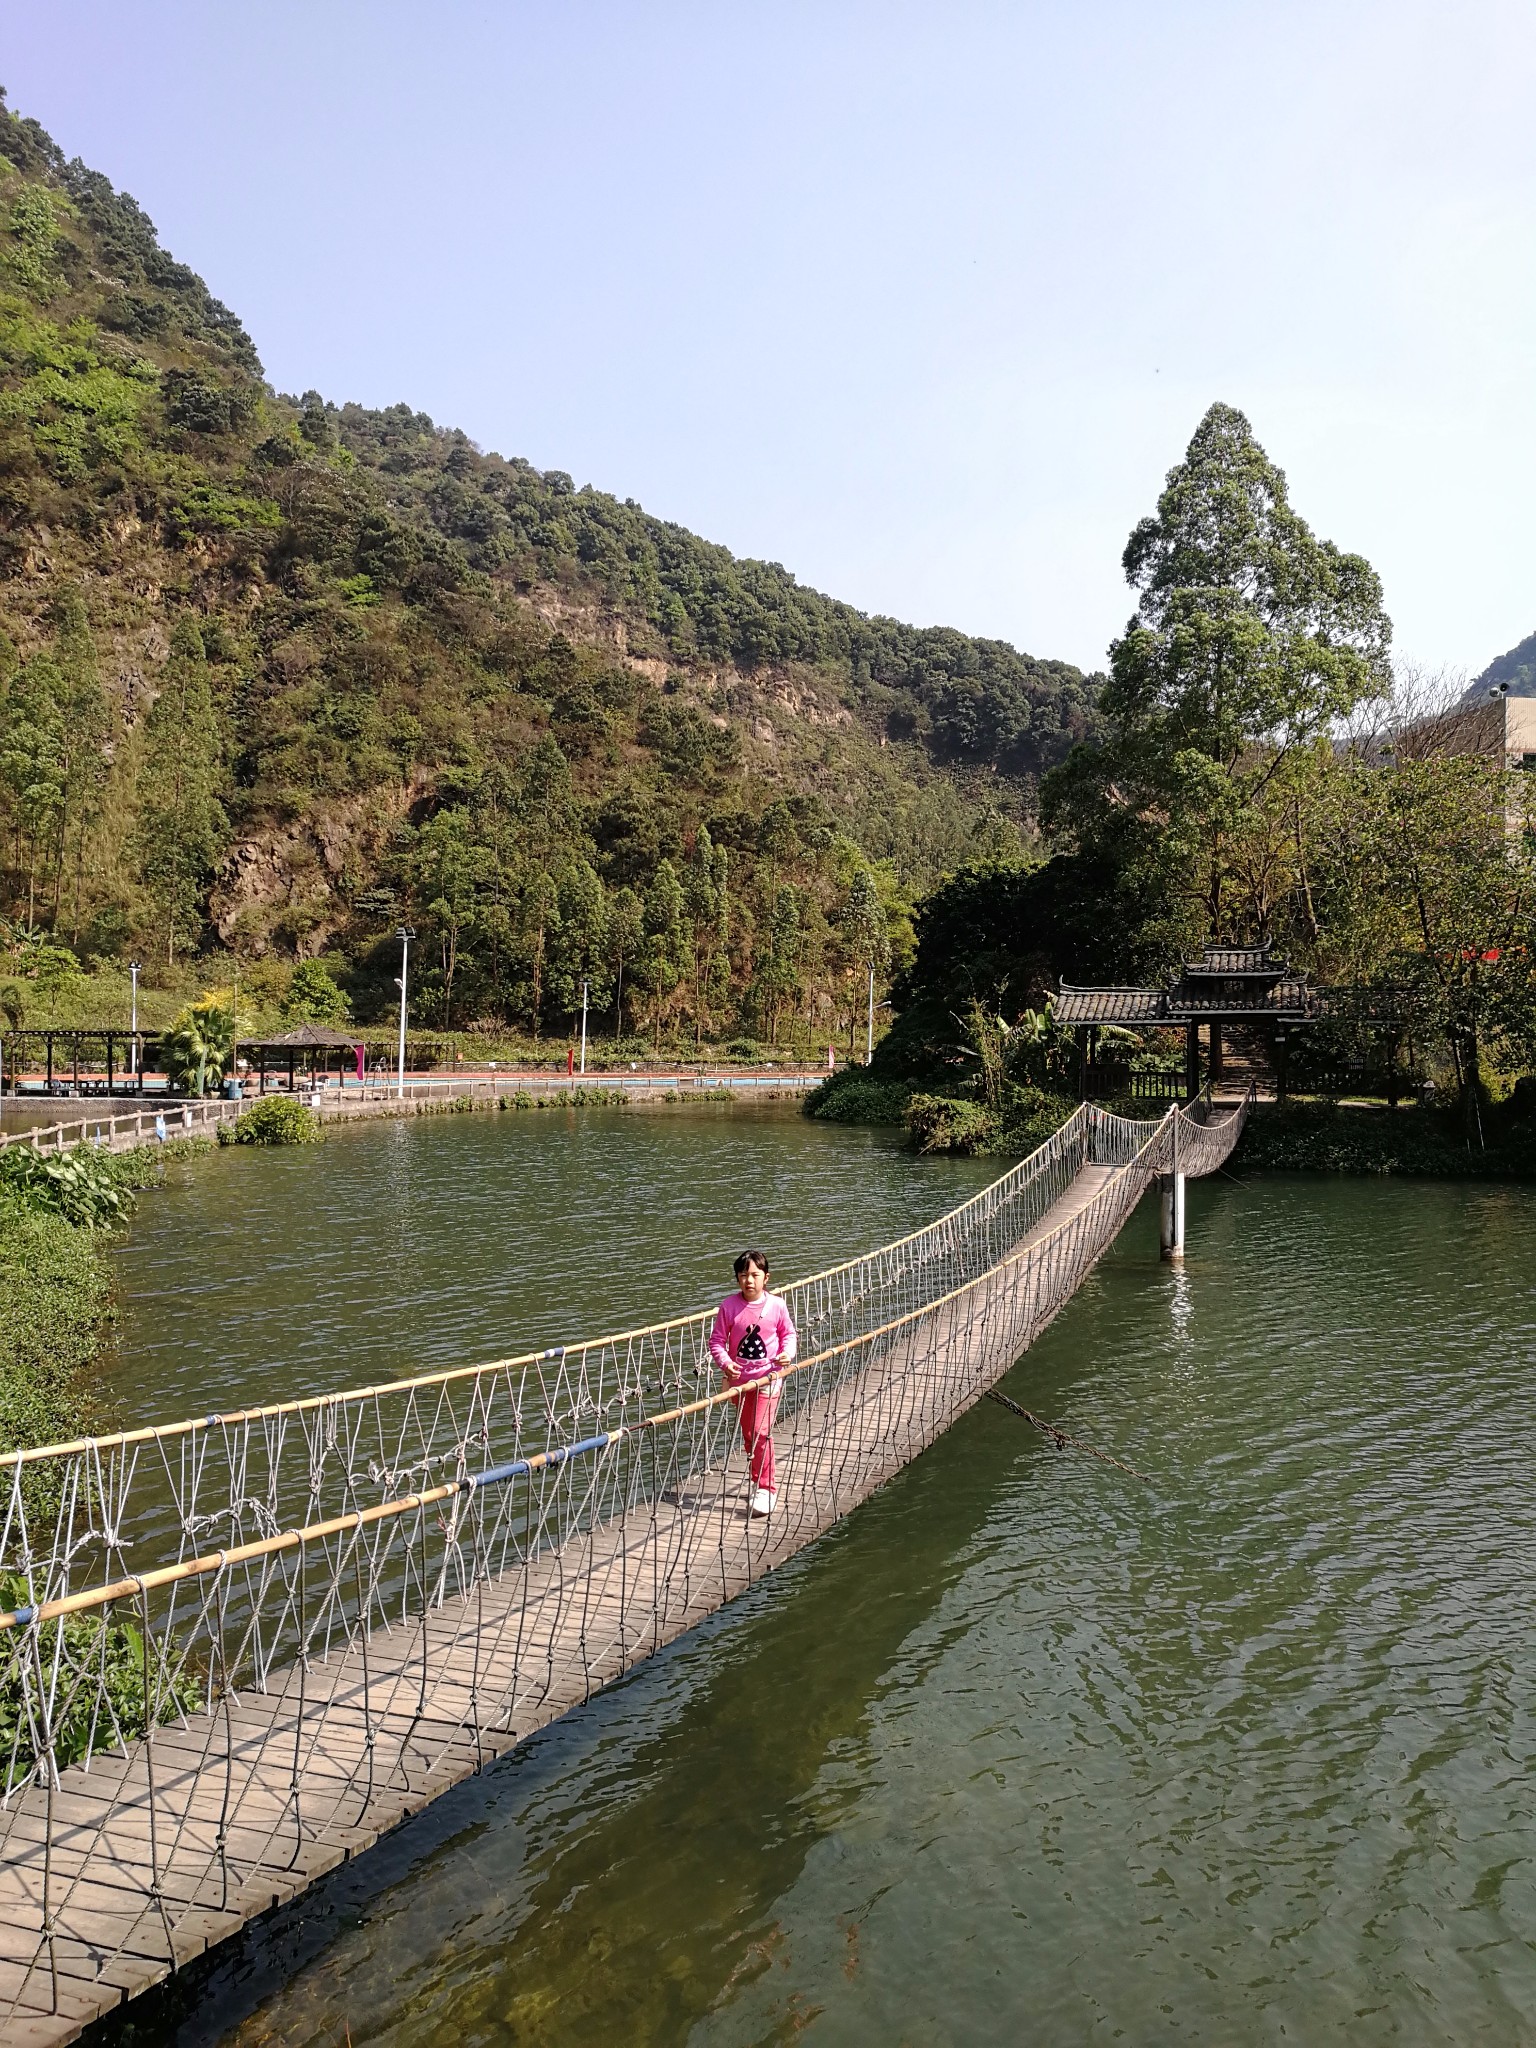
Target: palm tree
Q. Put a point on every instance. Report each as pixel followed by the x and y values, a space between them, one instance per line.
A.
pixel 200 1046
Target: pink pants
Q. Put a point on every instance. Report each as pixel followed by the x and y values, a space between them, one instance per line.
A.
pixel 757 1409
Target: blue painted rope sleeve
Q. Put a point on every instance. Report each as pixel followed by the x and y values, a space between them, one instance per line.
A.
pixel 518 1466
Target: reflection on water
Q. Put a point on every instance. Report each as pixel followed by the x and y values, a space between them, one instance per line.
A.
pixel 1025 1750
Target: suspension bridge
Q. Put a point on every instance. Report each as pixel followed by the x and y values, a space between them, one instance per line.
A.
pixel 235 1650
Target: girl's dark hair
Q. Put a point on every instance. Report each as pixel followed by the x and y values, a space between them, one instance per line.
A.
pixel 750 1259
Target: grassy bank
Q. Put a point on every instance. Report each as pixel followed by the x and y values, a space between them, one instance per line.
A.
pixel 54 1306
pixel 57 1215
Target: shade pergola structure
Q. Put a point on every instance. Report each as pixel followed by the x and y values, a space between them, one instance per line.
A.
pixel 309 1043
pixel 113 1058
pixel 1242 985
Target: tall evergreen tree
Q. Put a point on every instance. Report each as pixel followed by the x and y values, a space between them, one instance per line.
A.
pixel 864 940
pixel 1251 637
pixel 625 936
pixel 702 891
pixel 181 824
pixel 84 725
pixel 661 961
pixel 33 768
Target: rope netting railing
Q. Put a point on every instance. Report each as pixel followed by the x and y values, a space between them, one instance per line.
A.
pixel 236 1648
pixel 129 1500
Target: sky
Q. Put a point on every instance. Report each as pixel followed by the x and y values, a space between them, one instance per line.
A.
pixel 922 301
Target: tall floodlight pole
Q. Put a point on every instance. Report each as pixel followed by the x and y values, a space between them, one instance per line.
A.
pixel 583 1027
pixel 133 1042
pixel 405 936
pixel 869 1028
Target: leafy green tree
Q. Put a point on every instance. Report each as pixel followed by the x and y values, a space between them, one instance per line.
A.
pixel 1249 628
pixel 314 998
pixel 1424 876
pixel 539 924
pixel 54 971
pixel 1250 639
pixel 446 866
pixel 547 803
pixel 661 960
pixel 778 840
pixel 34 236
pixel 625 937
pixel 864 940
pixel 33 767
pixel 181 824
pixel 704 911
pixel 780 978
pixel 581 939
pixel 84 723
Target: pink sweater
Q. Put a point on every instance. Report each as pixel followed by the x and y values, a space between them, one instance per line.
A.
pixel 751 1338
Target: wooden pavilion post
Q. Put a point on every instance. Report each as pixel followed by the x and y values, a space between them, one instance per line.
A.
pixel 1191 1059
pixel 48 1042
pixel 109 1066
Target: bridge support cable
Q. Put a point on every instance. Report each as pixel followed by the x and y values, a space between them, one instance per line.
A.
pixel 1060 1437
pixel 253 1641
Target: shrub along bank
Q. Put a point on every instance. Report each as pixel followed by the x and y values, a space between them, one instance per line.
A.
pixel 53 1311
pixel 853 1097
pixel 1018 1118
pixel 1331 1137
pixel 273 1120
pixel 55 1288
pixel 55 1306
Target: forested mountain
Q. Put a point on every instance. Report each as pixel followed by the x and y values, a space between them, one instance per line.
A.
pixel 1516 671
pixel 276 675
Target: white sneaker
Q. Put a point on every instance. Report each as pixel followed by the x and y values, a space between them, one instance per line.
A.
pixel 762 1501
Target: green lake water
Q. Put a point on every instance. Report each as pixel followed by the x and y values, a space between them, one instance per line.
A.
pixel 1024 1750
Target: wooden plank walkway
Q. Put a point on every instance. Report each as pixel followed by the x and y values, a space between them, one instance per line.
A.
pixel 153 1857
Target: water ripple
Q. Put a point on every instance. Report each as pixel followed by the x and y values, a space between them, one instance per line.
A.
pixel 1028 1751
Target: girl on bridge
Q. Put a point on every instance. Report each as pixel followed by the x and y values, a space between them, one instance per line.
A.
pixel 753 1337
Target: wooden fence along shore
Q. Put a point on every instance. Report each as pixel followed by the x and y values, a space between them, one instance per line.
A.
pixel 253 1641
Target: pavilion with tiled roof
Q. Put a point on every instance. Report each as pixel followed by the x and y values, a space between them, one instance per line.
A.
pixel 1241 985
pixel 314 1044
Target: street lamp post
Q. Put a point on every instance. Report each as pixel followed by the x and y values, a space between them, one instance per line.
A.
pixel 583 1027
pixel 133 1041
pixel 869 1028
pixel 405 935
